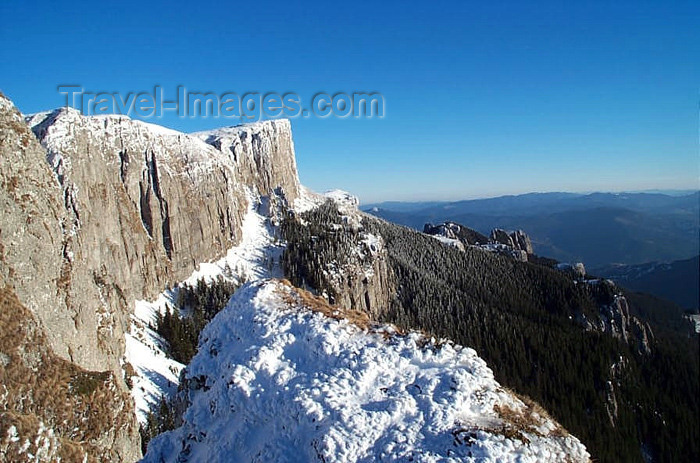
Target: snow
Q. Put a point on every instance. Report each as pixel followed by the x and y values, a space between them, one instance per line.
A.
pixel 372 243
pixel 347 205
pixel 59 129
pixel 159 129
pixel 307 200
pixel 343 198
pixel 235 130
pixel 279 382
pixel 158 375
pixel 449 241
pixel 695 319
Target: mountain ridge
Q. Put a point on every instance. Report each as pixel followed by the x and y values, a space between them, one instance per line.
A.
pixel 100 211
pixel 101 215
pixel 597 229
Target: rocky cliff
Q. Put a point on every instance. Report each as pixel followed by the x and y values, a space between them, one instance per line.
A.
pixel 143 206
pixel 516 244
pixel 100 211
pixel 353 269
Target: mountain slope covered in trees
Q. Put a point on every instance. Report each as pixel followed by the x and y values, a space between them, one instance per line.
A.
pixel 598 229
pixel 525 320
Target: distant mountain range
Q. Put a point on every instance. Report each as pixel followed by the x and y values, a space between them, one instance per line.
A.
pixel 599 229
pixel 676 281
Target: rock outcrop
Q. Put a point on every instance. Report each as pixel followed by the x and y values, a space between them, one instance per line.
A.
pixel 144 205
pixel 522 241
pixel 617 320
pixel 52 410
pixel 516 245
pixel 518 240
pixel 61 410
pixel 614 317
pixel 455 231
pixel 99 211
pixel 502 237
pixel 364 281
pixel 368 283
pixel 576 270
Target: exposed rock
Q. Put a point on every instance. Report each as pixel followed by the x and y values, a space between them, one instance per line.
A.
pixel 52 410
pixel 501 236
pixel 521 241
pixel 616 320
pixel 262 154
pixel 110 210
pixel 576 270
pixel 36 269
pixel 363 281
pixel 519 254
pixel 33 253
pixel 642 333
pixel 453 230
pixel 516 245
pixel 144 206
pixel 611 402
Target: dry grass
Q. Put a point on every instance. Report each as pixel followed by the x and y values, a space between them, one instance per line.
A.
pixel 526 420
pixel 84 409
pixel 534 407
pixel 516 423
pixel 319 304
pixel 356 317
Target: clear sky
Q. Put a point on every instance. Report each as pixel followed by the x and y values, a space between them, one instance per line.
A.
pixel 482 98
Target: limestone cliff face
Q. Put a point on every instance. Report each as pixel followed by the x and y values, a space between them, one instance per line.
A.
pixel 59 409
pixel 97 212
pixel 367 284
pixel 262 153
pixel 144 206
pixel 31 219
pixel 365 281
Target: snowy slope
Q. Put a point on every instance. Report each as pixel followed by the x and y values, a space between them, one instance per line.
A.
pixel 276 382
pixel 158 375
pixel 255 258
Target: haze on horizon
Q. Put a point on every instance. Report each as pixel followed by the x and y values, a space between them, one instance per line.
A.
pixel 418 200
pixel 481 100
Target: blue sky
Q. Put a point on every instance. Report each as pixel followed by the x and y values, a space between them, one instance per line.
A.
pixel 481 99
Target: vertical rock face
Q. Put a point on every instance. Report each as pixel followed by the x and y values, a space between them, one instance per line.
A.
pixel 502 237
pixel 617 320
pixel 522 241
pixel 368 284
pixel 32 217
pixel 518 240
pixel 262 153
pixel 101 211
pixel 144 206
pixel 61 410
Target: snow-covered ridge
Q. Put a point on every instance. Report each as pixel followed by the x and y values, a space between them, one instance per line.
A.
pixel 156 375
pixel 275 381
pixel 248 128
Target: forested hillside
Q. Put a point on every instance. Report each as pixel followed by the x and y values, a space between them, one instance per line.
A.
pixel 525 320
